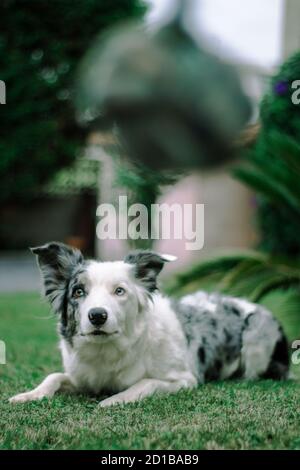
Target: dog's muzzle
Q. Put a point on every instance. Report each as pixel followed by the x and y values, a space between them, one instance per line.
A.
pixel 97 316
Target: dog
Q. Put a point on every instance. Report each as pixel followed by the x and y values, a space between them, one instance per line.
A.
pixel 120 336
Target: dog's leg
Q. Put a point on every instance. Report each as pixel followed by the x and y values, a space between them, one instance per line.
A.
pixel 147 387
pixel 52 384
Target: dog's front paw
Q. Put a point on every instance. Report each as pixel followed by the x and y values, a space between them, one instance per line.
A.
pixel 27 396
pixel 111 401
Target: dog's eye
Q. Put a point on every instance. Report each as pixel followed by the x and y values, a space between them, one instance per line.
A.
pixel 120 291
pixel 78 292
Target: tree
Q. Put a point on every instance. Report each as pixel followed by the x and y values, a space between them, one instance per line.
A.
pixel 41 44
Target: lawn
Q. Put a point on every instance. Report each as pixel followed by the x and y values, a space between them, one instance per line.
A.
pixel 223 415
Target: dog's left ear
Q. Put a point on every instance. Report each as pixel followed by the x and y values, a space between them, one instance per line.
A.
pixel 147 266
pixel 56 262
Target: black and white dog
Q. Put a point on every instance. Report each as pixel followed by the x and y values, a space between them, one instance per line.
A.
pixel 119 334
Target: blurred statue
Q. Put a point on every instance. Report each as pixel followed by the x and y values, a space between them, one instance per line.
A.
pixel 172 103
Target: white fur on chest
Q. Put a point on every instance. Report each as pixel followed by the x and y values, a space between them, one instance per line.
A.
pixel 94 367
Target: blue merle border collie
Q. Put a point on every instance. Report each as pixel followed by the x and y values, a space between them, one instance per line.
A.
pixel 118 334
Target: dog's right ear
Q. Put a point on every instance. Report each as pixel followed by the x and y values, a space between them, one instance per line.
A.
pixel 56 261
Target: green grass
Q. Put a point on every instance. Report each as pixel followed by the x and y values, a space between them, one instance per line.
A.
pixel 223 415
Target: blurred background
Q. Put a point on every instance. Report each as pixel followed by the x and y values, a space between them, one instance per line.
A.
pixel 55 169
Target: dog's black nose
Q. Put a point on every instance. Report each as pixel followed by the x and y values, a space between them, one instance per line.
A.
pixel 97 316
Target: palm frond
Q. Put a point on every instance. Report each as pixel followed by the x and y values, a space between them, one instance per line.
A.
pixel 216 266
pixel 276 175
pixel 271 188
pixel 270 281
pixel 248 274
pixel 285 305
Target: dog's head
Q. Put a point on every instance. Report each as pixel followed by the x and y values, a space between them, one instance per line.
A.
pixel 98 301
